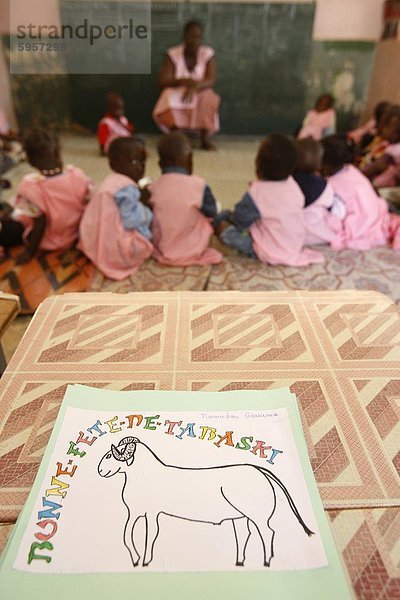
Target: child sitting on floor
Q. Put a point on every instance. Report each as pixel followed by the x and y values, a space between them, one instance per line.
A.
pixel 363 135
pixel 183 207
pixel 321 121
pixel 115 229
pixel 49 204
pixel 114 124
pixel 384 170
pixel 367 222
pixel 270 217
pixel 323 210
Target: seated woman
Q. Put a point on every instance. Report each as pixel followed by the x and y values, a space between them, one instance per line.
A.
pixel 187 76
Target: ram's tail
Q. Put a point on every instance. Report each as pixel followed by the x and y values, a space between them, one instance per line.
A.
pixel 269 475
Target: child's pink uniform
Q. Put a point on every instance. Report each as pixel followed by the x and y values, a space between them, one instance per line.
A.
pixel 318 124
pixel 181 233
pixel 279 236
pixel 366 224
pixel 322 226
pixel 391 175
pixel 110 128
pixel 202 111
pixel 61 198
pixel 116 251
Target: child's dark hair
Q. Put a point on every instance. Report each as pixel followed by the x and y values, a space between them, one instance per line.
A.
pixel 393 112
pixel 40 145
pixel 309 155
pixel 172 147
pixel 338 151
pixel 119 147
pixel 276 158
pixel 111 96
pixel 330 100
pixel 192 23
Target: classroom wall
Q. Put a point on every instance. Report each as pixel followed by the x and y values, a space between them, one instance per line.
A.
pixel 337 20
pixel 268 77
pixel 385 79
pixel 7 104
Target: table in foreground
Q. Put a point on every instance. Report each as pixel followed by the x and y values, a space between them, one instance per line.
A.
pixel 338 351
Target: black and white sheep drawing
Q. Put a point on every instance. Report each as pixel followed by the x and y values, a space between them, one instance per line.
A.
pixel 209 495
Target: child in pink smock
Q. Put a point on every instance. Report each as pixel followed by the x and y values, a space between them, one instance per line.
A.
pixel 183 207
pixel 114 124
pixel 321 121
pixel 270 217
pixel 367 223
pixel 384 171
pixel 49 204
pixel 363 135
pixel 324 211
pixel 115 229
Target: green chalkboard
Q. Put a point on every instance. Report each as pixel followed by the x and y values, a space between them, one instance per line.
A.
pixel 269 71
pixel 262 50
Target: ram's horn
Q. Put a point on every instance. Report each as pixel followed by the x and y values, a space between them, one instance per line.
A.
pixel 128 440
pixel 117 454
pixel 128 452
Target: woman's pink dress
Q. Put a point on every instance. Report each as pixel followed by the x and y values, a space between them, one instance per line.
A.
pixel 202 111
pixel 181 233
pixel 117 252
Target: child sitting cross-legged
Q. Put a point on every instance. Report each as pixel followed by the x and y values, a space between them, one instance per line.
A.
pixel 183 207
pixel 115 229
pixel 114 124
pixel 367 223
pixel 384 170
pixel 49 203
pixel 321 120
pixel 269 220
pixel 323 211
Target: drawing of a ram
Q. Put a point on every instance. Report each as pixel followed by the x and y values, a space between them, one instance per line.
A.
pixel 208 495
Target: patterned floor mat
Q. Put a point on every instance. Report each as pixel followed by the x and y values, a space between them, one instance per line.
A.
pixel 154 277
pixel 377 269
pixel 338 353
pixel 47 274
pixel 369 544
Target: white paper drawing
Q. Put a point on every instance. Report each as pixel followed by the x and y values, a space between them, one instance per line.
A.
pixel 216 495
pixel 140 491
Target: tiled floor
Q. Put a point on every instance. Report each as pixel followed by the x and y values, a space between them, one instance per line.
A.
pixel 227 171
